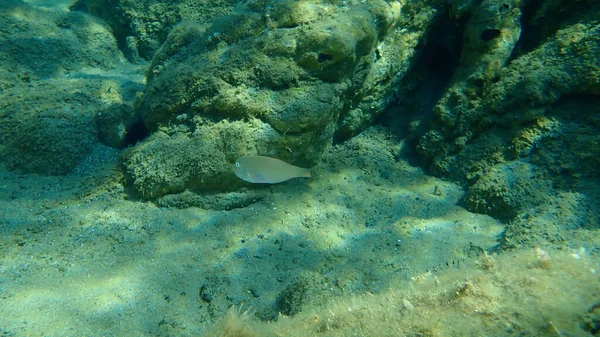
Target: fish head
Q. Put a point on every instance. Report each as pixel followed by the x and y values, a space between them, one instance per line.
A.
pixel 247 174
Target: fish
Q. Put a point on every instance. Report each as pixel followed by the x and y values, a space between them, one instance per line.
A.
pixel 267 170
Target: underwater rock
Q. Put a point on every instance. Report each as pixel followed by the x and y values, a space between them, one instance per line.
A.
pixel 118 126
pixel 47 102
pixel 38 44
pixel 172 162
pixel 48 126
pixel 512 92
pixel 142 26
pixel 507 189
pixel 290 75
pixel 506 101
pixel 47 132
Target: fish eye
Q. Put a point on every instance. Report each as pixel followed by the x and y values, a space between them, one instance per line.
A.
pixel 237 164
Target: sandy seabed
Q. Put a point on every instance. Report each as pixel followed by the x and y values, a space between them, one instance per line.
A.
pixel 370 246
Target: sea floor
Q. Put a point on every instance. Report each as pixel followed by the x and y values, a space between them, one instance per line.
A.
pixel 370 241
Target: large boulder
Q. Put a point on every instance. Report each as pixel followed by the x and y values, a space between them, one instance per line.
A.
pixel 518 123
pixel 141 27
pixel 51 87
pixel 275 78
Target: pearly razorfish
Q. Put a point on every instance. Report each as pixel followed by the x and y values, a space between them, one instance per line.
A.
pixel 266 170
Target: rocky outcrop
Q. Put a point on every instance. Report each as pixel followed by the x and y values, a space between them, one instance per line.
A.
pixel 50 92
pixel 275 78
pixel 518 123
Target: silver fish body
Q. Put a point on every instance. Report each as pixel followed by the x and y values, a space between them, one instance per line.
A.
pixel 266 170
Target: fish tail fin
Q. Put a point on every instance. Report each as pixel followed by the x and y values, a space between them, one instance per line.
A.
pixel 306 173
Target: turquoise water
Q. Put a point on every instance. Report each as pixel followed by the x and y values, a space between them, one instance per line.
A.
pixel 453 151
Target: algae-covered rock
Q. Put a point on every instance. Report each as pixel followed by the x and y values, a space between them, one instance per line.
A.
pixel 283 78
pixel 142 26
pixel 118 125
pixel 507 189
pixel 48 131
pixel 49 93
pixel 38 44
pixel 512 93
pixel 172 162
pixel 506 106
